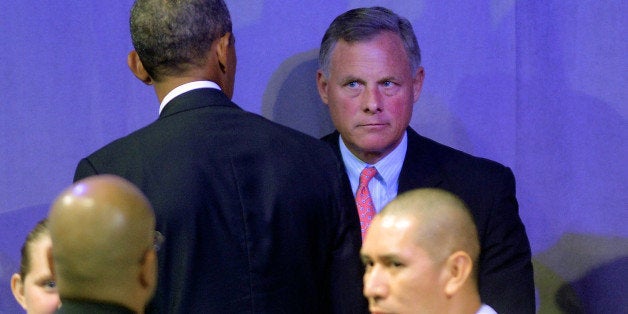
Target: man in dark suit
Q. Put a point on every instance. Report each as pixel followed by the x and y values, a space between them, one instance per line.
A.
pixel 370 76
pixel 257 217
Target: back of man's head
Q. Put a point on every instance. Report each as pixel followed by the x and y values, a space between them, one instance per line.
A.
pixel 171 37
pixel 102 230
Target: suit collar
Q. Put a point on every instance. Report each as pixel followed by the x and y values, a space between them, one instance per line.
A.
pixel 186 88
pixel 332 139
pixel 420 166
pixel 194 99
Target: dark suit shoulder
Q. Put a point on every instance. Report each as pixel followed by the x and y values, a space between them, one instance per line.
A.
pixel 449 159
pixel 224 125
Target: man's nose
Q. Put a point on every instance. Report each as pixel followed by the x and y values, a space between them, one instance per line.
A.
pixel 375 283
pixel 372 99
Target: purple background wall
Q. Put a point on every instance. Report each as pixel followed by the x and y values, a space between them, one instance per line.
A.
pixel 540 87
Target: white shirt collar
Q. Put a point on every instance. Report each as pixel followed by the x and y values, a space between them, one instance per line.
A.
pixel 485 309
pixel 186 88
pixel 388 168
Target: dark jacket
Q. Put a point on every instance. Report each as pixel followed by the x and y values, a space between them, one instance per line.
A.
pixel 257 217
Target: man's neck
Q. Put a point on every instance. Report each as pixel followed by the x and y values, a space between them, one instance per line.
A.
pixel 162 88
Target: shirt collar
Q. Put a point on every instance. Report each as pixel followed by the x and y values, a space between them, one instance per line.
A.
pixel 388 168
pixel 186 88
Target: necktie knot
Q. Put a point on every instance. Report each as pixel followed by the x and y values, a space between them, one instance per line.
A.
pixel 367 174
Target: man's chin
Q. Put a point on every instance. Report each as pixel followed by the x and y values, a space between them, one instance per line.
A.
pixel 377 308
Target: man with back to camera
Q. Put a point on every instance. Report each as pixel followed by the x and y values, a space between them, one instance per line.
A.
pixel 421 254
pixel 103 246
pixel 370 76
pixel 258 217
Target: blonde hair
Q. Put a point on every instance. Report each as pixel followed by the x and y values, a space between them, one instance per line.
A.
pixel 39 231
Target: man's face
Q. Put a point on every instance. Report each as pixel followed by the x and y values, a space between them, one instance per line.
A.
pixel 400 276
pixel 370 92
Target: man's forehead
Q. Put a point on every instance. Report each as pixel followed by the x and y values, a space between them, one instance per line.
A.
pixel 384 252
pixel 369 62
pixel 390 233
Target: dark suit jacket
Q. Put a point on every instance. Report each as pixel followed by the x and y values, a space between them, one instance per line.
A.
pixel 488 188
pixel 257 217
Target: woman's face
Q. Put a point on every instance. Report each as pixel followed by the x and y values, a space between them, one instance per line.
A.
pixel 37 291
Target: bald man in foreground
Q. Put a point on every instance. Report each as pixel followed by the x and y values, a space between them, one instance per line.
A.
pixel 103 247
pixel 421 255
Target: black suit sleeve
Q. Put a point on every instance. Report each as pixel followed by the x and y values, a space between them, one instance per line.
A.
pixel 506 278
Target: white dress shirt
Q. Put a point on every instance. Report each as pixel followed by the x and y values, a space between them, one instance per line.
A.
pixel 383 187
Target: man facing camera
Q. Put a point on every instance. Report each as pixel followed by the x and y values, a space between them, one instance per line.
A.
pixel 421 256
pixel 370 76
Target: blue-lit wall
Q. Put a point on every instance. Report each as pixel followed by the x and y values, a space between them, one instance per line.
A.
pixel 538 86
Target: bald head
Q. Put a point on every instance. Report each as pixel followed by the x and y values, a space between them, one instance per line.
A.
pixel 421 254
pixel 445 224
pixel 102 228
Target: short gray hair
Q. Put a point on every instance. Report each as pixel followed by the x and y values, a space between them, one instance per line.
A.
pixel 362 24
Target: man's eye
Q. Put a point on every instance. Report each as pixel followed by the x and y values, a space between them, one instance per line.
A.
pixel 353 84
pixel 388 84
pixel 396 264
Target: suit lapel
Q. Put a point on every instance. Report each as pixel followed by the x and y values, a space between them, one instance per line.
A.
pixel 332 139
pixel 420 169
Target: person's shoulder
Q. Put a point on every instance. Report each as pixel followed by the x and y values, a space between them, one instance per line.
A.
pixel 450 156
pixel 125 145
pixel 298 138
pixel 305 146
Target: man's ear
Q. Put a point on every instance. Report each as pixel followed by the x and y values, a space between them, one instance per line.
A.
pixel 17 287
pixel 458 268
pixel 222 51
pixel 417 83
pixel 136 66
pixel 148 271
pixel 322 84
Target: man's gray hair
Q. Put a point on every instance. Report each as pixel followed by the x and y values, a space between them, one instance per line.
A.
pixel 362 24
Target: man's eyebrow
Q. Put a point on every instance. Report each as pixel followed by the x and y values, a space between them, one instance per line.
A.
pixel 388 78
pixel 349 78
pixel 383 257
pixel 388 257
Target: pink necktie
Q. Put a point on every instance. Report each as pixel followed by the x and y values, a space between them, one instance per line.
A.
pixel 363 200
